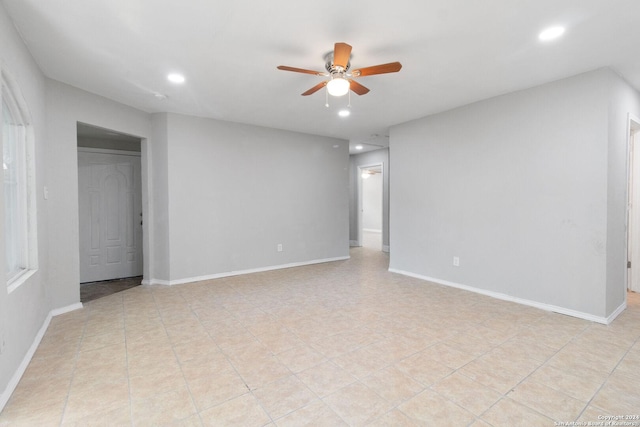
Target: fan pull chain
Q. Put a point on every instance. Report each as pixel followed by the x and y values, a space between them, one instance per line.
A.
pixel 326 97
pixel 349 100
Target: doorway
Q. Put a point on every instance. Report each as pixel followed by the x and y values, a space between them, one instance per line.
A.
pixel 110 205
pixel 370 218
pixel 633 210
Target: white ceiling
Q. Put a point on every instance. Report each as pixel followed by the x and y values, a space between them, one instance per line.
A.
pixel 453 52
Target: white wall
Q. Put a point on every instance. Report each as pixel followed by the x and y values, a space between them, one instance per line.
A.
pixel 23 311
pixel 372 203
pixel 522 188
pixel 365 159
pixel 237 191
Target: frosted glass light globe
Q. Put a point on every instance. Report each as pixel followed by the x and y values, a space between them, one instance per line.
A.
pixel 338 87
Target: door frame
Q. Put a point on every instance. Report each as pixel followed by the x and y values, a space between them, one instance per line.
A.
pixel 146 203
pixel 361 168
pixel 633 129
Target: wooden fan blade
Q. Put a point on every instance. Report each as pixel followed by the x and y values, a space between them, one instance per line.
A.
pixel 300 70
pixel 357 87
pixel 341 54
pixel 391 67
pixel 315 88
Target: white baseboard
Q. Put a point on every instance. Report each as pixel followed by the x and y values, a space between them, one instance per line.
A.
pixel 67 309
pixel 241 272
pixel 15 379
pixel 385 248
pixel 156 282
pixel 372 230
pixel 353 243
pixel 505 297
pixel 617 312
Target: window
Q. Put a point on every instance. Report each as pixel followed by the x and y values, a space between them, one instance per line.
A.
pixel 19 203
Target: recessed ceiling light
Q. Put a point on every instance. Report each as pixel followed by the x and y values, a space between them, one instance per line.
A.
pixel 344 113
pixel 551 33
pixel 175 78
pixel 359 147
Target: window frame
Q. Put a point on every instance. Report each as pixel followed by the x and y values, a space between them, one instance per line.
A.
pixel 11 97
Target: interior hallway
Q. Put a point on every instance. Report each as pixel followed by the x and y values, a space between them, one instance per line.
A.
pixel 372 240
pixel 342 343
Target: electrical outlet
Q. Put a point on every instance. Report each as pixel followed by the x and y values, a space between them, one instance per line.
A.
pixel 2 343
pixel 279 247
pixel 456 261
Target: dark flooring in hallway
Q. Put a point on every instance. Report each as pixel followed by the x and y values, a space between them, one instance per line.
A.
pixel 93 290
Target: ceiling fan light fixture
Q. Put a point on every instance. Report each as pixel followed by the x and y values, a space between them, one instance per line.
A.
pixel 338 86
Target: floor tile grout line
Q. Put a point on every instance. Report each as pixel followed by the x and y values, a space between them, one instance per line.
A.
pixel 175 355
pixel 506 395
pixel 295 375
pixel 393 363
pixel 249 390
pixel 126 350
pixel 329 312
pixel 458 370
pixel 75 364
pixel 589 403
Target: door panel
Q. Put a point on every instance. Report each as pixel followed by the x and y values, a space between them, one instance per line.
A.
pixel 110 216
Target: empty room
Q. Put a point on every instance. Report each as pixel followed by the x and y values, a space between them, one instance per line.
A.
pixel 334 214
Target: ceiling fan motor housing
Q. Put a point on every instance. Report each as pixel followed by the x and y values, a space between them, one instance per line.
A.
pixel 335 69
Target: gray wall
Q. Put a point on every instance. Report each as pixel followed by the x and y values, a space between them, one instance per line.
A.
pixel 281 187
pixel 622 101
pixel 369 158
pixel 159 252
pixel 66 106
pixel 183 188
pixel 23 311
pixel 249 189
pixel 527 189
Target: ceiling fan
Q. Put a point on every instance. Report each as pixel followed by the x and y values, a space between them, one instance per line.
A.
pixel 338 69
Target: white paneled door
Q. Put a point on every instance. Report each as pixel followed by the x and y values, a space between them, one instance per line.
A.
pixel 110 215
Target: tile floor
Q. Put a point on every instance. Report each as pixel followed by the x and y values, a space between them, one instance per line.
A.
pixel 342 343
